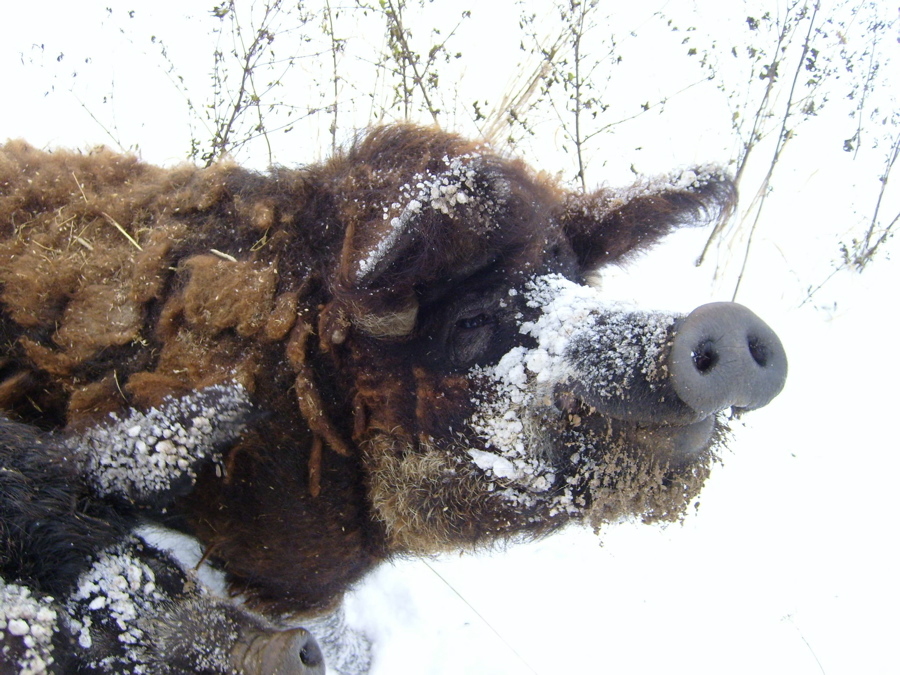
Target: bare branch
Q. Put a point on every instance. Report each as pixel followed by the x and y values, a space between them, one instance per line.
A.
pixel 783 137
pixel 407 56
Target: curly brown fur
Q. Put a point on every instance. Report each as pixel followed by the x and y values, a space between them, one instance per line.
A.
pixel 423 496
pixel 367 305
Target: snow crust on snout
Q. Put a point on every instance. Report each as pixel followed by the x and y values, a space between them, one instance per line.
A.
pixel 117 585
pixel 519 393
pixel 524 379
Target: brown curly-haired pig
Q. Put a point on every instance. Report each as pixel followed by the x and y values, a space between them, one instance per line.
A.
pixel 412 320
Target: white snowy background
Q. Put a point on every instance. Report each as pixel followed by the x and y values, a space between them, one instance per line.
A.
pixel 790 564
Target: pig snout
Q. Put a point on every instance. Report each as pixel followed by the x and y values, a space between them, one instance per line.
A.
pixel 288 652
pixel 653 368
pixel 722 356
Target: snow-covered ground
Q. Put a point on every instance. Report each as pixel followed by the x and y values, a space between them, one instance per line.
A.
pixel 789 564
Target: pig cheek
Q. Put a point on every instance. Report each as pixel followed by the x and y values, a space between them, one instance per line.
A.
pixel 670 446
pixel 443 403
pixel 676 446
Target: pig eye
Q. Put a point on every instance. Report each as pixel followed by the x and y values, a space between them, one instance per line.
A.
pixel 477 321
pixel 471 337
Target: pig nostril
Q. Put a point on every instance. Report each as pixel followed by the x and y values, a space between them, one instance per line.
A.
pixel 310 655
pixel 759 350
pixel 705 356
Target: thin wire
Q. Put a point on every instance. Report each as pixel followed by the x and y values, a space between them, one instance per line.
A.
pixel 478 614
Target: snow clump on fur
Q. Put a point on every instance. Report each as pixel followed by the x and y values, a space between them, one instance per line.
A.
pixel 27 625
pixel 442 192
pixel 143 453
pixel 511 419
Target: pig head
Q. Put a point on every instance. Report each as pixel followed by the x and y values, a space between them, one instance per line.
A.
pixel 496 392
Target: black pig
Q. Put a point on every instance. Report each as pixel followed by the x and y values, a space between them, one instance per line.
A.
pixel 89 585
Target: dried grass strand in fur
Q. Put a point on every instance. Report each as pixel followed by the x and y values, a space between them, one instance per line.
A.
pixel 121 229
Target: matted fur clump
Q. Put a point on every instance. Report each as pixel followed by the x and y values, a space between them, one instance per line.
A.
pixel 411 323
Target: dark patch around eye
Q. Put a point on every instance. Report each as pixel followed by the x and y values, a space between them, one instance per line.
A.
pixel 477 321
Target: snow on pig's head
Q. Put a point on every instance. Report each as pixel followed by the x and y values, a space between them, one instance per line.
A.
pixel 496 393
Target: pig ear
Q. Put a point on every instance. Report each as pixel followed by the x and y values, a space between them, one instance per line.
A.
pixel 369 302
pixel 608 225
pixel 437 229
